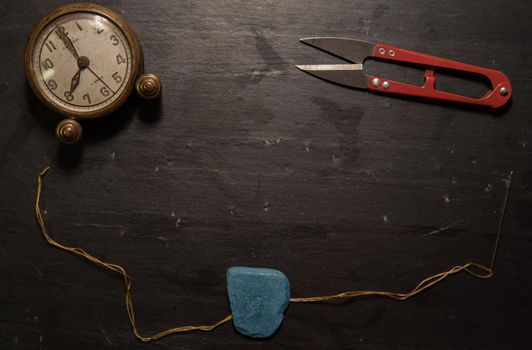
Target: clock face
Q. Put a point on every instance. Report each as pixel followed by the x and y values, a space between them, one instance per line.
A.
pixel 82 64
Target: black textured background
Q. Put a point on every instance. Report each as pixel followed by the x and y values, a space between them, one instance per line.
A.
pixel 248 161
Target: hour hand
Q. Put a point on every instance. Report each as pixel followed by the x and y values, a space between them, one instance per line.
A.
pixel 60 31
pixel 75 81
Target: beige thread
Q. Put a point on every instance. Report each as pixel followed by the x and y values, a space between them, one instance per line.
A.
pixel 423 285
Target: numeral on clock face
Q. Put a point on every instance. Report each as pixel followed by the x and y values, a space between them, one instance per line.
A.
pixel 105 91
pixel 120 59
pixel 50 45
pixel 52 84
pixel 114 39
pixel 69 96
pixel 87 98
pixel 117 77
pixel 48 64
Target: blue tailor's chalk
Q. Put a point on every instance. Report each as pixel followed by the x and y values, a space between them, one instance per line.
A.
pixel 258 298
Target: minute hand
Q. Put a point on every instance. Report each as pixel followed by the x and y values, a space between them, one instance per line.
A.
pixel 66 40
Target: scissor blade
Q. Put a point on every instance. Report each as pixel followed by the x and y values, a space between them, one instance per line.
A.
pixel 350 75
pixel 348 49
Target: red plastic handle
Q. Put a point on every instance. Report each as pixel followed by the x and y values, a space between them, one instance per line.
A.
pixel 500 93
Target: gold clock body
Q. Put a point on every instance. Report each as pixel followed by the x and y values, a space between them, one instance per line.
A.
pixel 43 89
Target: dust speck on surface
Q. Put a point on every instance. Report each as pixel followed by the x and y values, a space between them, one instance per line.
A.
pixel 385 218
pixel 307 147
pixel 178 222
pixel 271 141
pixel 232 211
pixel 506 180
pixel 156 169
pixel 446 199
pixel 113 155
pixel 453 180
pixel 488 188
pixel 267 206
pixel 172 214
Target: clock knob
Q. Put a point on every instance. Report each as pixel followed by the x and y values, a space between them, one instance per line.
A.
pixel 68 131
pixel 148 86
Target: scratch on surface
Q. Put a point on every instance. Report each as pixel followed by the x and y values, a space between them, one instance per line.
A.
pixel 506 181
pixel 444 228
pixel 103 331
pixel 266 73
pixel 38 270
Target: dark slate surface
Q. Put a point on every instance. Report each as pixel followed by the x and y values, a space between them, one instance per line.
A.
pixel 248 161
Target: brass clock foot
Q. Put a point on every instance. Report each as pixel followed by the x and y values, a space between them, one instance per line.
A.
pixel 148 86
pixel 68 131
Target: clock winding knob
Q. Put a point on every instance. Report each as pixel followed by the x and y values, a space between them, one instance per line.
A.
pixel 68 131
pixel 148 86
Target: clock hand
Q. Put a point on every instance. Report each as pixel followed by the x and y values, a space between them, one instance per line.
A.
pixel 83 63
pixel 100 79
pixel 75 81
pixel 60 31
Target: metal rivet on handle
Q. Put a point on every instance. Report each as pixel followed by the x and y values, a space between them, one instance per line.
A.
pixel 385 85
pixel 376 82
pixel 382 51
pixel 503 91
pixel 391 53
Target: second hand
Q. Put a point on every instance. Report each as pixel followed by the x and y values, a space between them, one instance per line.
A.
pixel 100 79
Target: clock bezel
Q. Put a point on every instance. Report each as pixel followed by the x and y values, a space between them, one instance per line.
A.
pixel 129 34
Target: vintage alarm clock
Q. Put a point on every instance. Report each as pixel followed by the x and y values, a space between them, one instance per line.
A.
pixel 83 61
